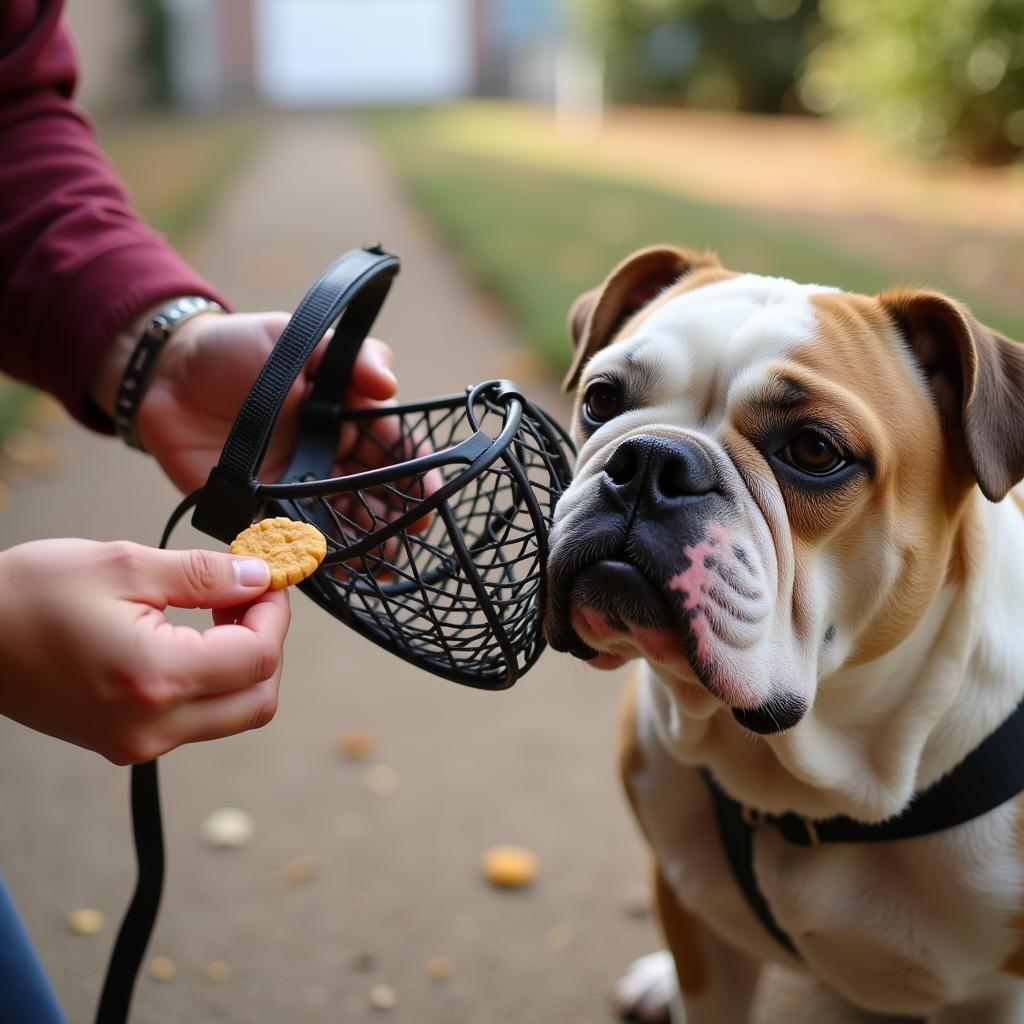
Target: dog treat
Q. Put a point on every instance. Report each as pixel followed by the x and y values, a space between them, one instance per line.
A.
pixel 299 870
pixel 228 827
pixel 86 921
pixel 293 550
pixel 439 968
pixel 162 968
pixel 218 971
pixel 356 744
pixel 510 867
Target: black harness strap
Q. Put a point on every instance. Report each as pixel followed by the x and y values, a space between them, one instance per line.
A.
pixel 989 776
pixel 738 840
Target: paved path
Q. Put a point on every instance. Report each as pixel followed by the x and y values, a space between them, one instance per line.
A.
pixel 399 881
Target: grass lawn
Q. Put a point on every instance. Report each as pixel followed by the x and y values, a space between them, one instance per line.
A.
pixel 536 233
pixel 176 166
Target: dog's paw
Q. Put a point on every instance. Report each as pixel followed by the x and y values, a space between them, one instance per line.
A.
pixel 648 989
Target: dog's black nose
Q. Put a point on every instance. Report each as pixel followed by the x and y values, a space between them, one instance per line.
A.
pixel 659 474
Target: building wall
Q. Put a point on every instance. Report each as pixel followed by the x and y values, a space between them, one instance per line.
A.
pixel 236 34
pixel 105 32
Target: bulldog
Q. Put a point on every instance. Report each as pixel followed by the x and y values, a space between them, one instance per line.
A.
pixel 795 506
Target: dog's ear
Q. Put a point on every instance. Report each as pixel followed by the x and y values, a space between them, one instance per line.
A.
pixel 977 377
pixel 597 315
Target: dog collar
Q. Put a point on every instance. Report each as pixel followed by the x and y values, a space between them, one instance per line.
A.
pixel 990 775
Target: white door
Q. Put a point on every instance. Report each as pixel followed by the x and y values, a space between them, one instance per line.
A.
pixel 362 51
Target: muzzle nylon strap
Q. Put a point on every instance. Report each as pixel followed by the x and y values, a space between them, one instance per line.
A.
pixel 354 289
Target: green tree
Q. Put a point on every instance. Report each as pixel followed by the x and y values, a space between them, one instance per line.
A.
pixel 945 77
pixel 154 51
pixel 728 54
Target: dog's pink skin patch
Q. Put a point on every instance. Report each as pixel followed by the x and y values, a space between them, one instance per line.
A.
pixel 598 623
pixel 594 627
pixel 693 580
pixel 699 628
pixel 659 645
pixel 693 583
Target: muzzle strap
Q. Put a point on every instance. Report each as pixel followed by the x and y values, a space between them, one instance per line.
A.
pixel 348 296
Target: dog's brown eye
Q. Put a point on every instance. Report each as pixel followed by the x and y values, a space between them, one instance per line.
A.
pixel 602 401
pixel 813 453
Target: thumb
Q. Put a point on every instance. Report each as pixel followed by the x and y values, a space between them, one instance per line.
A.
pixel 203 579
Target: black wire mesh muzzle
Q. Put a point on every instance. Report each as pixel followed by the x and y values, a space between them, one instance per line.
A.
pixel 439 557
pixel 437 539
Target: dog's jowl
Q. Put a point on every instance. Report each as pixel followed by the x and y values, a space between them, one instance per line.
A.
pixel 796 507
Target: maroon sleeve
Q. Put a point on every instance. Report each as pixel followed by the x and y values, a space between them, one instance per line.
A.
pixel 76 262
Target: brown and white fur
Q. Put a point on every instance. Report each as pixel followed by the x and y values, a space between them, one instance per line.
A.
pixel 826 643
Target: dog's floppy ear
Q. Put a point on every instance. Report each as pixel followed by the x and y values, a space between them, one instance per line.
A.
pixel 597 315
pixel 977 376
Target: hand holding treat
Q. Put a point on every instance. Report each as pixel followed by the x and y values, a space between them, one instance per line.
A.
pixel 90 656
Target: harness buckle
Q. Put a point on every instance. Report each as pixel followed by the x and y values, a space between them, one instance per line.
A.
pixel 751 816
pixel 813 839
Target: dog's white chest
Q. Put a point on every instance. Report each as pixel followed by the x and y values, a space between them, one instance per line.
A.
pixel 896 927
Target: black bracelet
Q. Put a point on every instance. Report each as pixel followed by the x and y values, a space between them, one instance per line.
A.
pixel 143 357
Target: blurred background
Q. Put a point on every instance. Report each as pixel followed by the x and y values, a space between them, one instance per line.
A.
pixel 851 142
pixel 511 151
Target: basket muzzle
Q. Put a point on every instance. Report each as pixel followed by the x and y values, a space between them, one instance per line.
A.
pixel 437 538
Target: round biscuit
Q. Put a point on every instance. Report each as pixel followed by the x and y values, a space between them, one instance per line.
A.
pixel 292 549
pixel 510 867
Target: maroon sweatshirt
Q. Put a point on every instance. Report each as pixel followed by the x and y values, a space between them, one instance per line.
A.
pixel 77 264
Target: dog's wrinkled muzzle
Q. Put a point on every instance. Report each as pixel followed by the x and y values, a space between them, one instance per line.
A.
pixel 651 496
pixel 649 561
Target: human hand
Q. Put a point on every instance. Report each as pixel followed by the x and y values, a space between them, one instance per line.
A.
pixel 201 379
pixel 203 376
pixel 88 655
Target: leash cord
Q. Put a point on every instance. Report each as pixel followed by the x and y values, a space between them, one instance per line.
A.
pixel 147 827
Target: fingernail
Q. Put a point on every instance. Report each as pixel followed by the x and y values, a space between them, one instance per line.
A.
pixel 252 572
pixel 386 371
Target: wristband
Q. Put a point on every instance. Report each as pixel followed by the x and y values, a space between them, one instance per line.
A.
pixel 143 358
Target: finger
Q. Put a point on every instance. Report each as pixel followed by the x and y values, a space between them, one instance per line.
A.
pixel 237 614
pixel 225 657
pixel 193 578
pixel 227 714
pixel 371 374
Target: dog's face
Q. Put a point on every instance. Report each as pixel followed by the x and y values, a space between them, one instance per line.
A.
pixel 771 479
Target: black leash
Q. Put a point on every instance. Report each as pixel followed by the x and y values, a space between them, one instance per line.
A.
pixel 990 775
pixel 148 831
pixel 139 919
